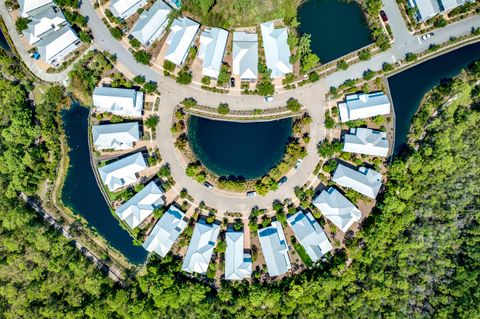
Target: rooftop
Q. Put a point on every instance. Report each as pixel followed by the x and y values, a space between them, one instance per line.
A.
pixel 364 180
pixel 123 102
pixel 182 34
pixel 366 141
pixel 152 23
pixel 277 51
pixel 122 172
pixel 363 105
pixel 120 136
pixel 245 55
pixel 125 8
pixel 238 264
pixel 212 47
pixel 48 20
pixel 275 249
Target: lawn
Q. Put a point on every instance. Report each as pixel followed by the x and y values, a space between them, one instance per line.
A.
pixel 303 254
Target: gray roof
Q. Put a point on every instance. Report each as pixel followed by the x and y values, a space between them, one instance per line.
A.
pixel 275 249
pixel 123 102
pixel 277 51
pixel 310 235
pixel 29 7
pixel 57 45
pixel 363 105
pixel 212 47
pixel 364 180
pixel 201 246
pixel 152 23
pixel 427 8
pixel 49 19
pixel 366 141
pixel 180 39
pixel 166 231
pixel 125 8
pixel 122 172
pixel 245 55
pixel 120 136
pixel 238 264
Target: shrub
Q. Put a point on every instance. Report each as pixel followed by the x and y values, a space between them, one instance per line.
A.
pixel 139 79
pixel 313 76
pixel 150 86
pixel 364 55
pixel 368 75
pixel 152 121
pixel 169 66
pixel 164 171
pixel 342 65
pixel 223 109
pixel 135 43
pixel 329 122
pixel 387 67
pixel 84 37
pixel 142 56
pixel 309 61
pixel 410 57
pixel 21 24
pixel 116 33
pixel 224 76
pixel 189 102
pixel 293 105
pixel 206 80
pixel 184 77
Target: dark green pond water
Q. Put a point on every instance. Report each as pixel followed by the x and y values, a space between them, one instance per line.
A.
pixel 3 42
pixel 408 87
pixel 247 150
pixel 81 192
pixel 337 27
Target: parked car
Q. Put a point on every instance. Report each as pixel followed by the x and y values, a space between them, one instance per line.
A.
pixel 268 98
pixel 36 55
pixel 208 185
pixel 384 16
pixel 251 194
pixel 232 82
pixel 282 181
pixel 427 36
pixel 299 162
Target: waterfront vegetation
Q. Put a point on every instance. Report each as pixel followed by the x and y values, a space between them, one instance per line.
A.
pixel 422 237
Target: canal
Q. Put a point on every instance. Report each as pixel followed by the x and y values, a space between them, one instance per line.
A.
pixel 337 27
pixel 242 150
pixel 408 87
pixel 80 190
pixel 3 42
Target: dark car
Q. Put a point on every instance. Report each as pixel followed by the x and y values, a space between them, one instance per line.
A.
pixel 384 16
pixel 282 180
pixel 232 82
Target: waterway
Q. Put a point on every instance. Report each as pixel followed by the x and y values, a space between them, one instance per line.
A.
pixel 81 192
pixel 242 150
pixel 337 27
pixel 3 42
pixel 409 87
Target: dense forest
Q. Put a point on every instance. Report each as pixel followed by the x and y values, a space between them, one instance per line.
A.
pixel 416 256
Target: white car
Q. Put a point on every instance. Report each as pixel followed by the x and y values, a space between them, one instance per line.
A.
pixel 268 98
pixel 251 194
pixel 427 36
pixel 299 162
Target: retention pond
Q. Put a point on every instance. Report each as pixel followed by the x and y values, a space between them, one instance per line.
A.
pixel 81 193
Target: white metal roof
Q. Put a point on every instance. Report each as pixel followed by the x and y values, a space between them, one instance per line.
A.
pixel 310 235
pixel 123 102
pixel 43 23
pixel 27 6
pixel 166 231
pixel 365 181
pixel 427 8
pixel 122 172
pixel 152 23
pixel 201 246
pixel 338 209
pixel 182 34
pixel 141 205
pixel 125 8
pixel 366 141
pixel 450 4
pixel 277 51
pixel 212 47
pixel 245 55
pixel 57 45
pixel 275 249
pixel 238 265
pixel 360 106
pixel 115 136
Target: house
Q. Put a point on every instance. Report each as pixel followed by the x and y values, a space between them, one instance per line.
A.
pixel 123 102
pixel 427 9
pixel 152 23
pixel 123 172
pixel 166 231
pixel 364 180
pixel 451 4
pixel 212 47
pixel 310 235
pixel 201 246
pixel 56 46
pixel 277 51
pixel 141 205
pixel 245 55
pixel 125 8
pixel 45 22
pixel 180 39
pixel 363 105
pixel 238 264
pixel 366 141
pixel 116 137
pixel 275 249
pixel 32 7
pixel 338 209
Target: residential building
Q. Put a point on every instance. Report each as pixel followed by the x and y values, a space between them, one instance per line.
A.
pixel 366 181
pixel 363 105
pixel 141 205
pixel 56 46
pixel 123 9
pixel 277 51
pixel 366 141
pixel 45 22
pixel 337 208
pixel 309 234
pixel 166 231
pixel 32 7
pixel 180 39
pixel 245 55
pixel 123 102
pixel 123 172
pixel 152 23
pixel 212 47
pixel 117 137
pixel 427 9
pixel 238 264
pixel 275 249
pixel 201 246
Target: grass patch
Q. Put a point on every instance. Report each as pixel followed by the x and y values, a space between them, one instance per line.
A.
pixel 303 254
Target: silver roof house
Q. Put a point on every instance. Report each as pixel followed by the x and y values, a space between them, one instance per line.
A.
pixel 277 51
pixel 122 102
pixel 275 249
pixel 364 180
pixel 212 47
pixel 245 55
pixel 121 136
pixel 122 172
pixel 152 23
pixel 366 141
pixel 238 264
pixel 363 105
